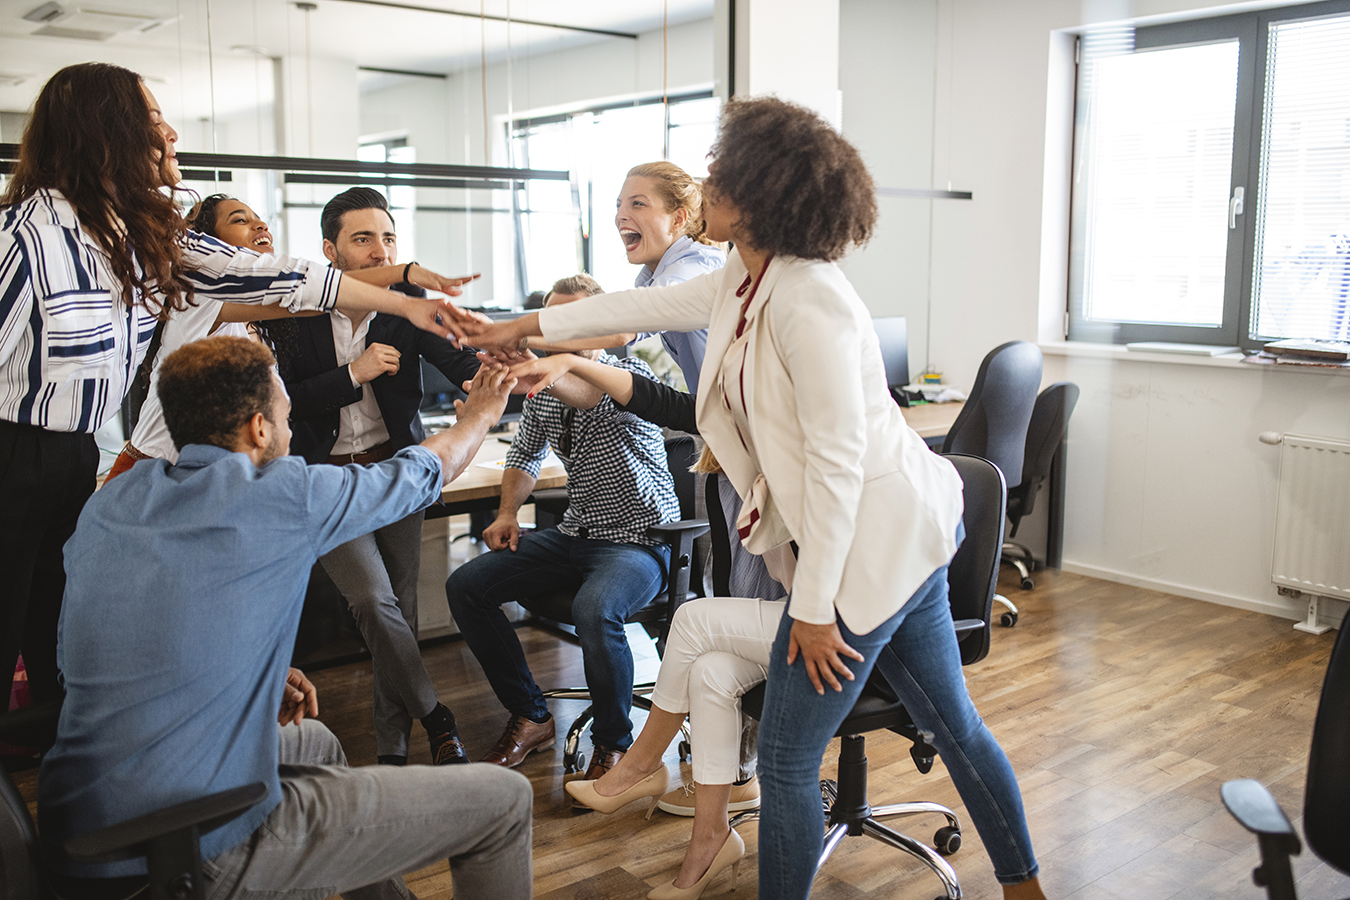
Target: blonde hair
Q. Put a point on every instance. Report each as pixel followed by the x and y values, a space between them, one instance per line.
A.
pixel 707 464
pixel 677 190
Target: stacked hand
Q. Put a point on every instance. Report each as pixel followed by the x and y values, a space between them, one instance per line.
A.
pixel 487 392
pixel 531 373
pixel 443 318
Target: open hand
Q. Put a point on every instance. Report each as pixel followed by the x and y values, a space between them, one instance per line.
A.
pixel 374 362
pixel 541 374
pixel 821 648
pixel 433 281
pixel 298 699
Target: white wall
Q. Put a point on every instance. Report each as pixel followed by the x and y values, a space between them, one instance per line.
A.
pixel 1167 485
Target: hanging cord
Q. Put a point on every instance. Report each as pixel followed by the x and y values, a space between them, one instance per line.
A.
pixel 482 46
pixel 665 74
pixel 309 75
pixel 211 83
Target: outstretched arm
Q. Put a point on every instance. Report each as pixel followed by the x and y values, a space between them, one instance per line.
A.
pixel 473 417
pixel 542 374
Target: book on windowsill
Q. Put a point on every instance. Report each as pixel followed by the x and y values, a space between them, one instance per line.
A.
pixel 1265 358
pixel 1311 350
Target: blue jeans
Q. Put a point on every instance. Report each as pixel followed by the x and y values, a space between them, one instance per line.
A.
pixel 916 651
pixel 611 580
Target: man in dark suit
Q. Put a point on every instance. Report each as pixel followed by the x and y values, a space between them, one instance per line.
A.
pixel 355 390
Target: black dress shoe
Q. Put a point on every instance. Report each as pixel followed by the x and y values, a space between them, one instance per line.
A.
pixel 446 750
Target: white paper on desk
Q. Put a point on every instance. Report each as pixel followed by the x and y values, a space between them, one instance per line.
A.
pixel 499 464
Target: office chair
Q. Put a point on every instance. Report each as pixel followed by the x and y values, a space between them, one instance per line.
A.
pixel 1326 798
pixel 970 578
pixel 169 838
pixel 681 453
pixel 1049 425
pixel 993 424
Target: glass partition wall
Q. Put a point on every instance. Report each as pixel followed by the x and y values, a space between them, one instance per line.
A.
pixel 436 103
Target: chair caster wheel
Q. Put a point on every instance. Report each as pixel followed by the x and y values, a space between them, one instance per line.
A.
pixel 577 763
pixel 947 840
pixel 1009 619
pixel 1027 584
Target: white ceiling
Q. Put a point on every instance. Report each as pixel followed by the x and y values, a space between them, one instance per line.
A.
pixel 181 58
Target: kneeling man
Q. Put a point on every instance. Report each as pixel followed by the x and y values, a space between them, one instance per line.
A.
pixel 183 596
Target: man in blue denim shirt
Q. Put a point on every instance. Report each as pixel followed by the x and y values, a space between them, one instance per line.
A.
pixel 183 597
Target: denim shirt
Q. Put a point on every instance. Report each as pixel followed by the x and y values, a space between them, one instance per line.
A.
pixel 683 260
pixel 183 595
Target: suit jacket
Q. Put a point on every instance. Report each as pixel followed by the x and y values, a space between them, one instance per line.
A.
pixel 820 426
pixel 319 387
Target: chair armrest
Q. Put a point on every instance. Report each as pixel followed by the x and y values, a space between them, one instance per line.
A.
pixel 550 500
pixel 671 531
pixel 1257 810
pixel 121 841
pixel 966 626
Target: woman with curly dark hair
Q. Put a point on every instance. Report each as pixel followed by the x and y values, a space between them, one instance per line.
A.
pixel 793 402
pixel 93 253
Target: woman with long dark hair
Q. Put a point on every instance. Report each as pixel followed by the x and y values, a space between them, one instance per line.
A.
pixel 93 252
pixel 845 502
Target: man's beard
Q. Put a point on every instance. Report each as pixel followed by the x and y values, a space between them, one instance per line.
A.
pixel 342 264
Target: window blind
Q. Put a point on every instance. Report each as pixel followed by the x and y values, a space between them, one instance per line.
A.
pixel 1301 276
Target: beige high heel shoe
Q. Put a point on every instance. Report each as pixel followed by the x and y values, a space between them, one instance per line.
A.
pixel 654 785
pixel 731 854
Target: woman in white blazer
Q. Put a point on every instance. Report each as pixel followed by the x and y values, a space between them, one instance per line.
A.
pixel 845 502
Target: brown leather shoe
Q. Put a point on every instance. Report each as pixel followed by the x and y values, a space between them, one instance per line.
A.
pixel 521 738
pixel 602 760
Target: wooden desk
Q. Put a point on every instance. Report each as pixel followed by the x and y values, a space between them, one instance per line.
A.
pixel 932 420
pixel 479 488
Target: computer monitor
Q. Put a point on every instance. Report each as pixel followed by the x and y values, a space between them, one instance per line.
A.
pixel 894 349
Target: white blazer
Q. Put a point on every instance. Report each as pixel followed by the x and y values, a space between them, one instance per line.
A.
pixel 873 511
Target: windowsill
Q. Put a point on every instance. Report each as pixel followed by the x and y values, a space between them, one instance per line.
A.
pixel 1118 352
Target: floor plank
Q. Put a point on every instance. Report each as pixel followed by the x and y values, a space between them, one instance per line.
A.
pixel 1123 710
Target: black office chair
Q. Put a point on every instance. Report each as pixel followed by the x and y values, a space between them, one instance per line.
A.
pixel 169 838
pixel 993 424
pixel 1326 799
pixel 1049 425
pixel 681 453
pixel 970 579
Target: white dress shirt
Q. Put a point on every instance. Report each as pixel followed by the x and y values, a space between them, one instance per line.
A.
pixel 360 424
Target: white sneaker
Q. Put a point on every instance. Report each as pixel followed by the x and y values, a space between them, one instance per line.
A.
pixel 680 802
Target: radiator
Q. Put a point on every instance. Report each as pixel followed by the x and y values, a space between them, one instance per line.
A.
pixel 1312 521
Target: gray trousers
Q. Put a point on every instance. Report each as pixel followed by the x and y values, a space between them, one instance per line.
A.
pixel 377 574
pixel 356 832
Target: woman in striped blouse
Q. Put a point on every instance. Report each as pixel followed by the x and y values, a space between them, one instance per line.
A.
pixel 93 252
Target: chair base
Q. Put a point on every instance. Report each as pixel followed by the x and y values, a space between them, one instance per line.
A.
pixel 847 813
pixel 573 759
pixel 1009 618
pixel 1023 560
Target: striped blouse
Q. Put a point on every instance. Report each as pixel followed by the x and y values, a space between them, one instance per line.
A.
pixel 70 344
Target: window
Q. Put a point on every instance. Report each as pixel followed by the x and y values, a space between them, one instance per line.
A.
pixel 402 198
pixel 1211 183
pixel 566 228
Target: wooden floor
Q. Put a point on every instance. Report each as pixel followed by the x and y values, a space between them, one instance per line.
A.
pixel 1123 710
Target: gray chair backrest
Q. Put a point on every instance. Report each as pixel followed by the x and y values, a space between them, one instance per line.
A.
pixel 993 424
pixel 1049 424
pixel 973 573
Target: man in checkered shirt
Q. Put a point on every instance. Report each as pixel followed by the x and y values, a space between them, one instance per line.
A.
pixel 618 485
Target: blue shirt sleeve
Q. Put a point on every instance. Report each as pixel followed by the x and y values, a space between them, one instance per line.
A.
pixel 346 502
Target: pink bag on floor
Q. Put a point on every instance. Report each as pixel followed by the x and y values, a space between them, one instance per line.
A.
pixel 18 699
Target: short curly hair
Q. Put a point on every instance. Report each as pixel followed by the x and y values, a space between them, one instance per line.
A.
pixel 209 388
pixel 801 188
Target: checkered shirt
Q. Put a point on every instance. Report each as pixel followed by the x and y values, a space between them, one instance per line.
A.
pixel 618 482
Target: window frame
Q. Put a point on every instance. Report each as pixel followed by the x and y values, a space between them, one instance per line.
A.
pixel 1252 31
pixel 518 129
